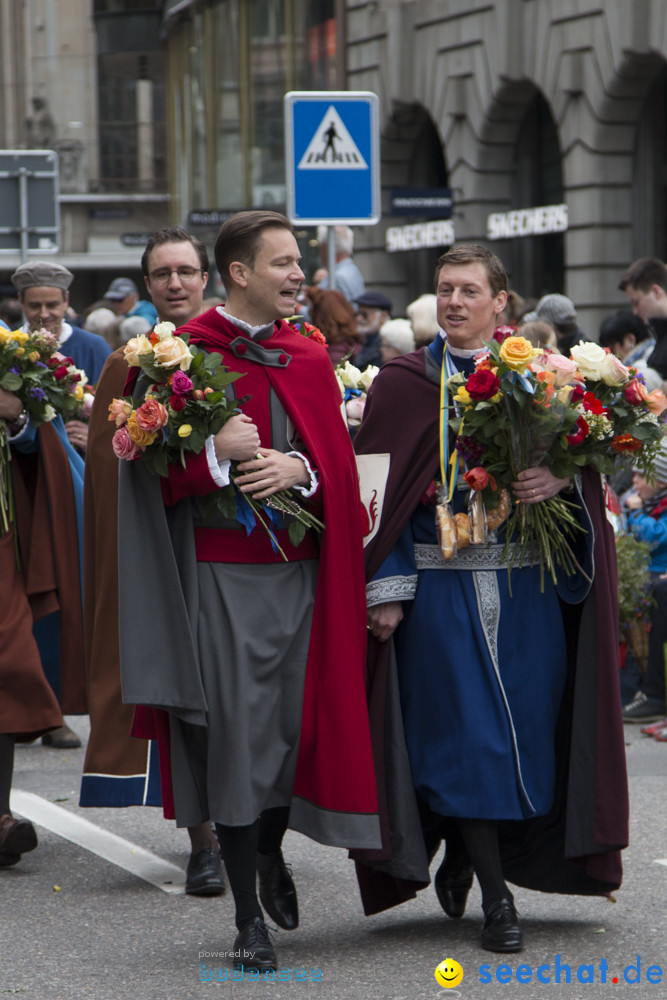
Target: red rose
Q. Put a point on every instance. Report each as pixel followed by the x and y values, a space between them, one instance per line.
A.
pixel 178 402
pixel 60 373
pixel 592 404
pixel 581 432
pixel 577 394
pixel 478 479
pixel 483 384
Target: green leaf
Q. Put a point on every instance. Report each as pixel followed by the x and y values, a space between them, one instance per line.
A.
pixel 297 532
pixel 11 381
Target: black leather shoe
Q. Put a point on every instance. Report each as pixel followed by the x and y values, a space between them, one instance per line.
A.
pixel 277 890
pixel 8 858
pixel 17 836
pixel 203 876
pixel 253 948
pixel 453 881
pixel 501 931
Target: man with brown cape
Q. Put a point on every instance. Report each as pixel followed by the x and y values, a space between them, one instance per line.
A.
pixel 509 702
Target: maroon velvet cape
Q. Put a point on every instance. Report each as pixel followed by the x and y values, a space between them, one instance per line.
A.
pixel 576 847
pixel 335 770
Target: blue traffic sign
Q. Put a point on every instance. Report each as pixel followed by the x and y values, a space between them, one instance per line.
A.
pixel 332 157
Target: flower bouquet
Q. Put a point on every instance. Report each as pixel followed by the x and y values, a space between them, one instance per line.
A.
pixel 523 407
pixel 185 402
pixel 354 385
pixel 46 382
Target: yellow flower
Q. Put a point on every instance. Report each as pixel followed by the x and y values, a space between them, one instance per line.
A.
pixel 20 336
pixel 5 335
pixel 78 392
pixel 140 437
pixel 516 352
pixel 184 431
pixel 463 396
pixel 20 351
pixel 33 356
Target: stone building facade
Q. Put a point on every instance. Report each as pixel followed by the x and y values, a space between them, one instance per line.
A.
pixel 522 104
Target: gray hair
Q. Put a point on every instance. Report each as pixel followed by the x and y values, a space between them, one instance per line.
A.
pixel 344 238
pixel 397 333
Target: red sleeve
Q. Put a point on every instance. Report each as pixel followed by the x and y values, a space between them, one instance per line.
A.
pixel 195 480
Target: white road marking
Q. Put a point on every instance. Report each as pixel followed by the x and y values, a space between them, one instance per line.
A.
pixel 123 853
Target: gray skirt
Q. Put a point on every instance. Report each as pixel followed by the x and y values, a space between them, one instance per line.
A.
pixel 253 630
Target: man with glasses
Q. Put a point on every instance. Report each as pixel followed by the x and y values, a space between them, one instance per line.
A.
pixel 120 770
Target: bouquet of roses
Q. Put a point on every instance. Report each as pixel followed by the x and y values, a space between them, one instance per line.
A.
pixel 184 404
pixel 46 382
pixel 618 409
pixel 523 407
pixel 511 417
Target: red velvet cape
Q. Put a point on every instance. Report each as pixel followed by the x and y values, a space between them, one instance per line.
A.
pixel 335 765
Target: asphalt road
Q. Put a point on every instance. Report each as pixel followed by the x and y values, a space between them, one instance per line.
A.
pixel 75 926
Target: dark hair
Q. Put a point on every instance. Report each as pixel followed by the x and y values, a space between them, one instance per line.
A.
pixel 473 253
pixel 173 234
pixel 11 312
pixel 333 315
pixel 644 273
pixel 239 238
pixel 614 328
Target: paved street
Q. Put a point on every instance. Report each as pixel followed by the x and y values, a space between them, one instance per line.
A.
pixel 107 934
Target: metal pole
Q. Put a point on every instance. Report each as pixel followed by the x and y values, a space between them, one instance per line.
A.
pixel 23 209
pixel 331 255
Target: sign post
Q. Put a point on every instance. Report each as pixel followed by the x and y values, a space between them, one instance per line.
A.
pixel 332 156
pixel 29 207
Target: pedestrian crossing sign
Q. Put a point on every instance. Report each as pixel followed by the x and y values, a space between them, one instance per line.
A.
pixel 332 157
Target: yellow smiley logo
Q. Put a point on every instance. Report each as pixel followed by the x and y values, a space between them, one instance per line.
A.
pixel 449 973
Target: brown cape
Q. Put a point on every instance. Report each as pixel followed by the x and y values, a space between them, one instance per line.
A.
pixel 576 847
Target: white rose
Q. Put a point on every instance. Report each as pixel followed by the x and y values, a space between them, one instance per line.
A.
pixel 367 377
pixel 340 385
pixel 613 371
pixel 49 413
pixel 350 375
pixel 589 358
pixel 173 353
pixel 164 330
pixel 135 347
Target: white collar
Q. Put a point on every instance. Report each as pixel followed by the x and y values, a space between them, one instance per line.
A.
pixel 252 331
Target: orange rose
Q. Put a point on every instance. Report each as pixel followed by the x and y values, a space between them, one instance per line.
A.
pixel 119 411
pixel 656 402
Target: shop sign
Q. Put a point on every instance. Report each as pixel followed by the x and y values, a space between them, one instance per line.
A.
pixel 527 222
pixel 438 233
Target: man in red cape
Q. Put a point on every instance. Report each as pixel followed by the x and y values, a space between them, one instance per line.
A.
pixel 259 662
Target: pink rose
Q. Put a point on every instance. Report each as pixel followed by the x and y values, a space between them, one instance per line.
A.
pixel 355 410
pixel 564 369
pixel 119 411
pixel 181 384
pixel 123 445
pixel 613 371
pixel 635 392
pixel 152 415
